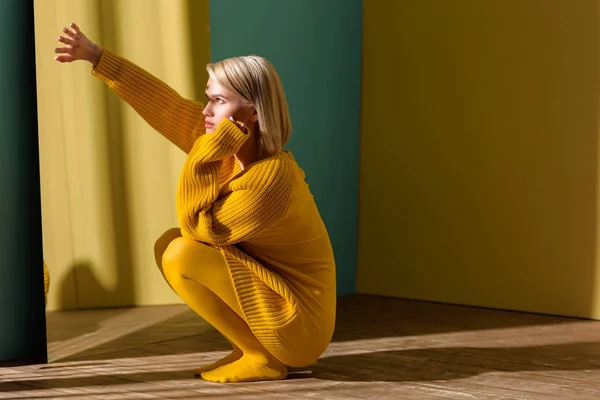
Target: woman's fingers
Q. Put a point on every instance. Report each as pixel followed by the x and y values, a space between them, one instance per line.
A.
pixel 242 125
pixel 70 33
pixel 64 58
pixel 67 50
pixel 66 40
pixel 71 40
pixel 75 33
pixel 75 28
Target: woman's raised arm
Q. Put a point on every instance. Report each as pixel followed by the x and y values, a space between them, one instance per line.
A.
pixel 179 120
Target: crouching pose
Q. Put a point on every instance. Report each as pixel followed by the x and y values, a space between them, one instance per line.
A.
pixel 251 254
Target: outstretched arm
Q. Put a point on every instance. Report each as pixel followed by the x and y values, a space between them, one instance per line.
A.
pixel 179 120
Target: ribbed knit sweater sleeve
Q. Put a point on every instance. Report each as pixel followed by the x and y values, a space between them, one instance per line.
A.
pixel 179 120
pixel 249 204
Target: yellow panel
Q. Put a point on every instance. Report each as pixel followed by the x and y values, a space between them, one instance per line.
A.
pixel 108 179
pixel 479 153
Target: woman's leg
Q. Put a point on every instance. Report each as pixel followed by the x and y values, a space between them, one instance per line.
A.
pixel 159 249
pixel 161 245
pixel 199 275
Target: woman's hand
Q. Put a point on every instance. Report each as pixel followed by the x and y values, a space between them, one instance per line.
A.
pixel 241 126
pixel 78 47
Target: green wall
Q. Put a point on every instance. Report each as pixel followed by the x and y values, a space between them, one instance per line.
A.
pixel 22 316
pixel 315 46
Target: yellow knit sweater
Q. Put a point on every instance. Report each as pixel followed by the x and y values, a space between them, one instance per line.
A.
pixel 263 220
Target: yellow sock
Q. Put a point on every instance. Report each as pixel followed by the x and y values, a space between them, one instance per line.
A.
pixel 247 369
pixel 235 355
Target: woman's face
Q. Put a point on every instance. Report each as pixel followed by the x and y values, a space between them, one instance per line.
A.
pixel 221 104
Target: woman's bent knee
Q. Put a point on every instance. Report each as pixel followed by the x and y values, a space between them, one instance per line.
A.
pixel 161 244
pixel 194 260
pixel 203 264
pixel 179 258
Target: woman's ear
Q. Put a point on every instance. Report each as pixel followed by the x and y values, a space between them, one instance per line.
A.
pixel 254 116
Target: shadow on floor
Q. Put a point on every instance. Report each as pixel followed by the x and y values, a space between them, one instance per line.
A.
pixel 371 317
pixel 359 317
pixel 446 363
pixel 422 365
pixel 185 332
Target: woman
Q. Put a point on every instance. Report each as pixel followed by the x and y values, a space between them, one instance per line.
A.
pixel 252 255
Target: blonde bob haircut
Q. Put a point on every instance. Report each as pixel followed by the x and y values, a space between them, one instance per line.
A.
pixel 256 82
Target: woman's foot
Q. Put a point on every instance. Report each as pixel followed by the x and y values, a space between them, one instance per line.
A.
pixel 247 369
pixel 228 359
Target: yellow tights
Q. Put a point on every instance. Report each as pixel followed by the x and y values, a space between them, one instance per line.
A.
pixel 199 275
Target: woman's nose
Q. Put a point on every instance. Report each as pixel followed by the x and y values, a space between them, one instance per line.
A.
pixel 207 111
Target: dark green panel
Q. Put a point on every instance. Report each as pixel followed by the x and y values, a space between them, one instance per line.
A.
pixel 22 314
pixel 315 45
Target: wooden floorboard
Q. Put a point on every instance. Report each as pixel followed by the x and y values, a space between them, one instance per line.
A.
pixel 383 348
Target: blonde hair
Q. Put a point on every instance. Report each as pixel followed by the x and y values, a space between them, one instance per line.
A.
pixel 254 79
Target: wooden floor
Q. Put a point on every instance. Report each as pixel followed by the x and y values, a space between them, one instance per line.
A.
pixel 383 349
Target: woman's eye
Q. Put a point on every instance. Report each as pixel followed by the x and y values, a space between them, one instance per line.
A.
pixel 219 100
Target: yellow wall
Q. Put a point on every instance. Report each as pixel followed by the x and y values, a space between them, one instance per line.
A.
pixel 108 180
pixel 479 154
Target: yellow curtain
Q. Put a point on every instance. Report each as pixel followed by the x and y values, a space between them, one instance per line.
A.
pixel 108 180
